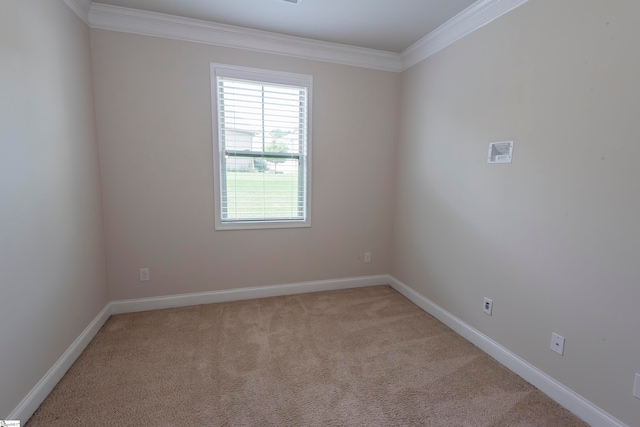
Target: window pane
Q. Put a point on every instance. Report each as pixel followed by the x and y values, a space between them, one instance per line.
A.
pixel 262 114
pixel 262 188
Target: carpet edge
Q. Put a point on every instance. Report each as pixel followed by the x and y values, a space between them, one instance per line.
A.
pixel 567 398
pixel 211 297
pixel 41 390
pixel 30 403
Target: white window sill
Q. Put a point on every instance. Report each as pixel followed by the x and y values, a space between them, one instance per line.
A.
pixel 255 225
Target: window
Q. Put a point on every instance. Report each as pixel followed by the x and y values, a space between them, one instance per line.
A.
pixel 262 155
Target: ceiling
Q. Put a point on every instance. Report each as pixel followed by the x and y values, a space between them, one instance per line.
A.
pixel 387 25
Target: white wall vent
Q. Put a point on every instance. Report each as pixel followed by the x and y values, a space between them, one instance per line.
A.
pixel 500 152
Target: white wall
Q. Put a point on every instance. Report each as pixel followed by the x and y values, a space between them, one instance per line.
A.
pixel 52 256
pixel 552 238
pixel 153 103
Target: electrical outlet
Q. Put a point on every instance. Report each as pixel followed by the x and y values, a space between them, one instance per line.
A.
pixel 636 386
pixel 144 274
pixel 488 306
pixel 367 257
pixel 557 343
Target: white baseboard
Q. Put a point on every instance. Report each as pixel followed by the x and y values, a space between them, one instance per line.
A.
pixel 170 301
pixel 36 396
pixel 575 403
pixel 569 399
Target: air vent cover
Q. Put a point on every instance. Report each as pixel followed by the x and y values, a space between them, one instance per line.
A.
pixel 500 152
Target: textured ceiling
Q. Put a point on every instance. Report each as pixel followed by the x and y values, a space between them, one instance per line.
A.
pixel 389 25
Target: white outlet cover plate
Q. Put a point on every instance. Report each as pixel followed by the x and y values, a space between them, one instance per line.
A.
pixel 557 343
pixel 636 386
pixel 500 152
pixel 488 306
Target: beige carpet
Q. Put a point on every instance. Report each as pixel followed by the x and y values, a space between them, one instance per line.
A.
pixel 357 357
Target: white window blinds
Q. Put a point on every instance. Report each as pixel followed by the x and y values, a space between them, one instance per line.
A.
pixel 263 148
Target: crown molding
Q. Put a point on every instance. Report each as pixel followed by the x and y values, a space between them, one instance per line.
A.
pixel 81 8
pixel 477 15
pixel 135 21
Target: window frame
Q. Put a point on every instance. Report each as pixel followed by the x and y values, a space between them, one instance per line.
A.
pixel 261 76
